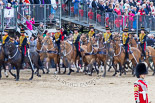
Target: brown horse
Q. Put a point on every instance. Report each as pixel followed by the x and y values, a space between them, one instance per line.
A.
pixel 68 51
pixel 2 61
pixel 149 52
pixel 119 57
pixel 89 55
pixel 52 53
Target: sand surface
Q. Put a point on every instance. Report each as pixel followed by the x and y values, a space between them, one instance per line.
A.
pixel 76 88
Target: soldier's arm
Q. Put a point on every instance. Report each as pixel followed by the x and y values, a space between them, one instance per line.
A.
pixel 144 40
pixel 136 92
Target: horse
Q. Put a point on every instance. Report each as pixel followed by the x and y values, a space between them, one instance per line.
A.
pixel 2 63
pixel 119 56
pixel 15 59
pixel 103 55
pixel 52 53
pixel 89 55
pixel 149 52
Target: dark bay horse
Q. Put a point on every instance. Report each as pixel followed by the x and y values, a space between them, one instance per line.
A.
pixel 2 63
pixel 15 59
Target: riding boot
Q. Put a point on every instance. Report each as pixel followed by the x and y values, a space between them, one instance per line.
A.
pixel 81 61
pixel 144 55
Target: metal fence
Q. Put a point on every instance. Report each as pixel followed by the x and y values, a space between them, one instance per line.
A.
pixel 84 14
pixel 80 13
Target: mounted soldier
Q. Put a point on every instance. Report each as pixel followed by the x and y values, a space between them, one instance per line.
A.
pixel 57 38
pixel 142 39
pixel 23 43
pixel 6 37
pixel 107 37
pixel 76 42
pixel 125 38
pixel 91 32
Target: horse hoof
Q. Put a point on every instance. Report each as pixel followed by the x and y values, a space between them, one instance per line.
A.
pixel 39 75
pixel 47 72
pixel 55 72
pixel 30 79
pixel 77 71
pixel 59 72
pixel 43 72
pixel 64 72
pixel 90 74
pixel 69 74
pixel 35 72
pixel 153 74
pixel 7 76
pixel 114 75
pixel 17 79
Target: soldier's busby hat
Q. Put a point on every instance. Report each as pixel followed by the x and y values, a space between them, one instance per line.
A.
pixel 126 30
pixel 91 27
pixel 57 28
pixel 142 28
pixel 107 27
pixel 22 30
pixel 75 28
pixel 6 30
pixel 141 69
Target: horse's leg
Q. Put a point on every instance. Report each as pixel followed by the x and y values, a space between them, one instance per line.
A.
pixel 115 68
pixel 104 74
pixel 17 70
pixel 38 67
pixel 64 70
pixel 14 75
pixel 32 71
pixel 70 69
pixel 96 68
pixel 0 72
pixel 120 69
pixel 47 67
pixel 59 66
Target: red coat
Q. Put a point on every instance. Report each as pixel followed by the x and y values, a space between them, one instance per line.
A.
pixel 140 91
pixel 81 12
pixel 98 17
pixel 90 14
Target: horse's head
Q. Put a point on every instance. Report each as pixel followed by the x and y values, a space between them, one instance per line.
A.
pixel 40 38
pixel 92 40
pixel 83 38
pixel 9 47
pixel 47 40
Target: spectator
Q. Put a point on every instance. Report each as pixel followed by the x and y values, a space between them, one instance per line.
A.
pixel 76 7
pixel 145 9
pixel 152 7
pixel 131 16
pixel 106 6
pixel 150 40
pixel 131 3
pixel 29 24
pixel 122 7
pixel 41 27
pixel 148 7
pixel 33 44
pixel 53 8
pixel 45 33
pixel 101 6
pixel 117 9
pixel 94 4
pixel 8 18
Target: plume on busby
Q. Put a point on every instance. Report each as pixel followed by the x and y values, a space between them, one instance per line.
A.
pixel 75 28
pixel 142 28
pixel 91 27
pixel 107 27
pixel 22 30
pixel 126 30
pixel 141 69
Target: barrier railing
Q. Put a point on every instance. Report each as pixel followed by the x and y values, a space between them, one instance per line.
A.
pixel 81 13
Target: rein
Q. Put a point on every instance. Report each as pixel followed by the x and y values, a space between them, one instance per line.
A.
pixel 64 52
pixel 119 52
pixel 14 54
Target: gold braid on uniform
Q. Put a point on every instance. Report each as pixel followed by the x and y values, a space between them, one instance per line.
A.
pixel 21 40
pixel 141 37
pixel 57 36
pixel 106 36
pixel 90 34
pixel 75 37
pixel 125 38
pixel 4 38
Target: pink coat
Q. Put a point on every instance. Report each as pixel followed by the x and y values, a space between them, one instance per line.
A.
pixel 29 25
pixel 131 15
pixel 118 11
